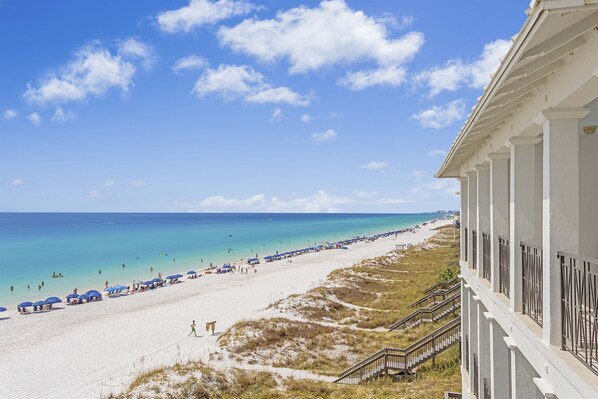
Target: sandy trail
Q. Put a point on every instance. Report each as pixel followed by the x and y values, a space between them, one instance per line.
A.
pixel 94 349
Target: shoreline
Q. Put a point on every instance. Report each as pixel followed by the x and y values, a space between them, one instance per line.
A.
pixel 139 264
pixel 112 341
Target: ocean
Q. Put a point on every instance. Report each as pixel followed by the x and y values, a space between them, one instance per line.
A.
pixel 89 249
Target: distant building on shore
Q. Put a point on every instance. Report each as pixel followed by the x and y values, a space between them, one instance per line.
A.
pixel 527 158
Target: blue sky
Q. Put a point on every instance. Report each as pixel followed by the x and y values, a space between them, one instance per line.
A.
pixel 238 105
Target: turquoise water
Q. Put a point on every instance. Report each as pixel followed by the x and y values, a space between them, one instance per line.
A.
pixel 79 245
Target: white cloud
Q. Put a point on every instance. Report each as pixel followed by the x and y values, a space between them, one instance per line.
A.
pixel 327 135
pixel 437 153
pixel 201 12
pixel 367 194
pixel 305 118
pixel 419 174
pixel 445 186
pixel 60 115
pixel 9 114
pixel 189 63
pixel 343 36
pixel 133 48
pixel 276 115
pixel 92 73
pixel 456 73
pixel 96 194
pixel 321 202
pixel 138 183
pixel 437 117
pixel 109 183
pixel 390 201
pixel 375 165
pixel 242 81
pixel 35 118
pixel 384 76
pixel 17 183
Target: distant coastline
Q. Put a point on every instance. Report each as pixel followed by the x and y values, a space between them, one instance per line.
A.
pixel 81 245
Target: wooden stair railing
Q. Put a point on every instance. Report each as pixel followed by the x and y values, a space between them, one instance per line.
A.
pixel 442 285
pixel 403 360
pixel 435 313
pixel 436 296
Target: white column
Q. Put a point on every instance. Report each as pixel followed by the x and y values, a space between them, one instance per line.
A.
pixel 464 212
pixel 522 205
pixel 483 210
pixel 499 208
pixel 560 208
pixel 522 384
pixel 473 336
pixel 471 213
pixel 499 359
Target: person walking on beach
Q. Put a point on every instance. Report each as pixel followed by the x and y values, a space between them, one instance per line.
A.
pixel 192 329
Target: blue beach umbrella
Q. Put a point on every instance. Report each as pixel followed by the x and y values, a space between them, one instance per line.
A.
pixel 83 296
pixel 121 287
pixel 39 303
pixel 25 304
pixel 157 280
pixel 178 276
pixel 53 299
pixel 72 296
pixel 95 295
pixel 2 309
pixel 172 276
pixel 92 292
pixel 190 272
pixel 149 282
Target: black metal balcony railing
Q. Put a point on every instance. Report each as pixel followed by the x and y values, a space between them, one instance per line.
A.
pixel 486 271
pixel 476 383
pixel 504 266
pixel 579 301
pixel 474 249
pixel 466 244
pixel 487 394
pixel 466 360
pixel 531 259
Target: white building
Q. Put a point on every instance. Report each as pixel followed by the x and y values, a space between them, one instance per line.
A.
pixel 527 158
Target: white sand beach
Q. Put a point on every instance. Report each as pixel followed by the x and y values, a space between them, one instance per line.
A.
pixel 92 350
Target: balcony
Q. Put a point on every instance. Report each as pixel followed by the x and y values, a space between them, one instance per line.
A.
pixel 504 266
pixel 579 301
pixel 486 271
pixel 531 259
pixel 474 249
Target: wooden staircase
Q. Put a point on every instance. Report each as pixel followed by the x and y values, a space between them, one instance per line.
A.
pixel 397 361
pixel 429 315
pixel 436 296
pixel 442 285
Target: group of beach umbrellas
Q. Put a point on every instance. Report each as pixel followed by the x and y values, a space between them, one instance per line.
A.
pixel 50 301
pixel 117 289
pixel 84 297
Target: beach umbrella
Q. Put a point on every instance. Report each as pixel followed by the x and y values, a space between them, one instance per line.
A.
pixel 25 304
pixel 39 303
pixel 95 295
pixel 178 276
pixel 122 287
pixel 2 309
pixel 148 282
pixel 171 277
pixel 71 296
pixel 53 299
pixel 91 292
pixel 190 272
pixel 83 296
pixel 157 280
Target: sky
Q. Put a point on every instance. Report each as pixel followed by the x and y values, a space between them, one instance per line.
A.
pixel 240 105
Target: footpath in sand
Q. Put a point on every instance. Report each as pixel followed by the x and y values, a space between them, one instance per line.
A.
pixel 96 349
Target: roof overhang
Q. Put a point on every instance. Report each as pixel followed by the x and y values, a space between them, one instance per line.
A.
pixel 553 31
